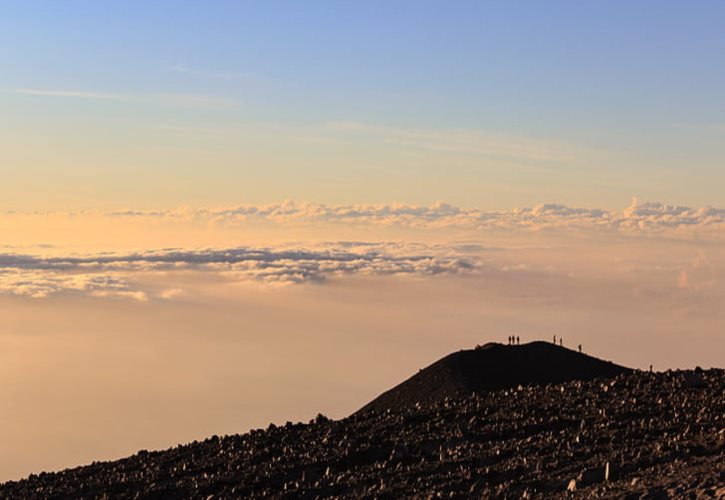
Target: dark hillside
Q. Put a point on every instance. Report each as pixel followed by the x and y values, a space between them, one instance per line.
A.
pixel 493 367
pixel 637 436
pixel 530 421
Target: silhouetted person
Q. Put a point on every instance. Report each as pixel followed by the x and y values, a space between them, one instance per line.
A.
pixel 561 342
pixel 518 342
pixel 554 339
pixel 580 348
pixel 650 368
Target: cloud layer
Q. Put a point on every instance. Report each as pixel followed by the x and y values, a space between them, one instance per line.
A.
pixel 112 274
pixel 639 217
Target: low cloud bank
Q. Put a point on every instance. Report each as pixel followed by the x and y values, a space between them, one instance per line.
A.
pixel 639 217
pixel 40 284
pixel 109 275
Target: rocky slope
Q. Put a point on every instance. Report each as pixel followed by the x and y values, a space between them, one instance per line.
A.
pixel 639 435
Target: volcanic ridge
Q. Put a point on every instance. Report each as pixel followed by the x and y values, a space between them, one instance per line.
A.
pixel 530 421
pixel 493 367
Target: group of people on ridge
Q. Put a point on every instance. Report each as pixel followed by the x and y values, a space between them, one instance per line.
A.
pixel 514 340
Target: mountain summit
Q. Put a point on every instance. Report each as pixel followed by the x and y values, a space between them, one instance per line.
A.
pixel 491 367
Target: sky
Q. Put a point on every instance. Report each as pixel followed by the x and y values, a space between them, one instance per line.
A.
pixel 216 215
pixel 483 104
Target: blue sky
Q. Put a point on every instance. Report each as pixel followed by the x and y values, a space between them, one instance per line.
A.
pixel 638 85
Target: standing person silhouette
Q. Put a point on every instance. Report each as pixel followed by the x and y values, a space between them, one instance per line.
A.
pixel 518 341
pixel 554 339
pixel 561 342
pixel 580 348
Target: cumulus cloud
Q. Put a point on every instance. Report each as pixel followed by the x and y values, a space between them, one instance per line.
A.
pixel 111 275
pixel 698 276
pixel 659 216
pixel 39 283
pixel 42 270
pixel 638 218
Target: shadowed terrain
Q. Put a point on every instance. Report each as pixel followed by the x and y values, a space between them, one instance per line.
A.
pixel 491 367
pixel 635 435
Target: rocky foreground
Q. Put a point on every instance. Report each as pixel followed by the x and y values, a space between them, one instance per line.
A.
pixel 640 435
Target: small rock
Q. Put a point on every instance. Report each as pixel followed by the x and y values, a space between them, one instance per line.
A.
pixel 399 452
pixel 655 494
pixel 694 380
pixel 594 475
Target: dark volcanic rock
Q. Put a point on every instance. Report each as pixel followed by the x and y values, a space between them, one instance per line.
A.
pixel 491 367
pixel 660 437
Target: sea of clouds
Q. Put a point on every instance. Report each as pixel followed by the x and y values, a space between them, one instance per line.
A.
pixel 105 275
pixel 647 217
pixel 120 274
